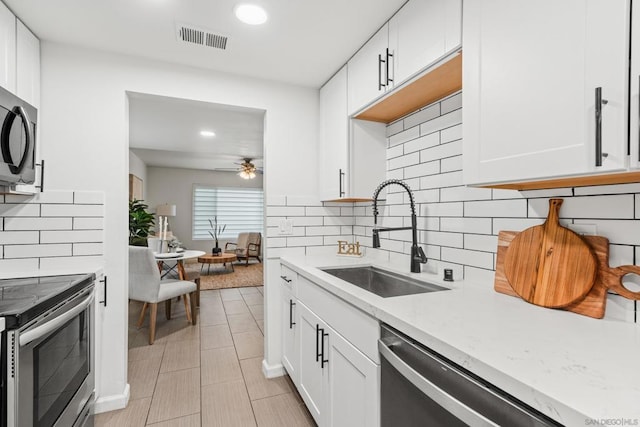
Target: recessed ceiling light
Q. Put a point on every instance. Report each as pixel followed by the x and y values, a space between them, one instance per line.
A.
pixel 251 14
pixel 207 133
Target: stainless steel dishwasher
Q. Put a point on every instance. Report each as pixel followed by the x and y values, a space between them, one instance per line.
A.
pixel 422 388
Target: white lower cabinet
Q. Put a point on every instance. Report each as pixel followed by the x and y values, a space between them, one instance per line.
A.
pixel 290 339
pixel 353 384
pixel 338 382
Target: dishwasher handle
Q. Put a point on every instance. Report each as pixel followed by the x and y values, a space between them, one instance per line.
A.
pixel 435 393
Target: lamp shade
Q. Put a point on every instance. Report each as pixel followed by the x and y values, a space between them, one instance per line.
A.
pixel 166 210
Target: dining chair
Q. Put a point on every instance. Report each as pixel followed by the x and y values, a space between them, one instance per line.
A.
pixel 146 286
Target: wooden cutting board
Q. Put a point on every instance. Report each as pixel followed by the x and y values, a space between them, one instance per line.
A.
pixel 550 265
pixel 594 303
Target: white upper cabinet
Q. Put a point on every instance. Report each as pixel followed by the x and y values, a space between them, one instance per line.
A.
pixel 532 71
pixel 634 97
pixel 334 137
pixel 421 33
pixel 368 72
pixel 28 65
pixel 7 49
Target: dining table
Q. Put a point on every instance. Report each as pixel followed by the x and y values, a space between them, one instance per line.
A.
pixel 178 258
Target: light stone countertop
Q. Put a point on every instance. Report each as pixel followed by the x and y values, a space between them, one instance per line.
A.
pixel 573 368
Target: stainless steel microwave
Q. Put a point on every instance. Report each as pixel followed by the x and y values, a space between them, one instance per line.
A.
pixel 17 140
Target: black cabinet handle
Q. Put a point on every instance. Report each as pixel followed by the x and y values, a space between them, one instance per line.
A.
pixel 322 359
pixel 389 55
pixel 380 84
pixel 340 182
pixel 41 186
pixel 291 322
pixel 286 279
pixel 318 345
pixel 598 109
pixel 105 291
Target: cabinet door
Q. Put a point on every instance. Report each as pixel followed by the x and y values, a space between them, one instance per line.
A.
pixel 28 65
pixel 334 137
pixel 530 77
pixel 311 374
pixel 417 37
pixel 368 157
pixel 634 96
pixel 353 385
pixel 290 338
pixel 366 73
pixel 7 49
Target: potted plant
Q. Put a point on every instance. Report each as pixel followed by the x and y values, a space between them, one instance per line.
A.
pixel 140 222
pixel 215 232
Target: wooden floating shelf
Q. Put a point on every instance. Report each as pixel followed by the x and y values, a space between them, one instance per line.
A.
pixel 437 83
pixel 579 181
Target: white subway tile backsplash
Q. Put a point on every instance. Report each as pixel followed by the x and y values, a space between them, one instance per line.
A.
pixel 46 197
pixel 337 220
pixel 38 223
pixel 422 169
pixel 323 231
pixel 441 209
pixel 396 151
pixel 455 240
pixel 80 249
pixel 403 161
pixel 300 221
pixel 304 241
pixel 407 135
pixel 88 223
pixel 620 232
pixel 422 143
pixel 449 179
pixel 395 127
pixel 346 211
pixel 427 196
pixel 74 262
pixel 80 236
pixel 441 151
pixel 286 210
pixel 463 193
pixel 19 265
pixel 451 103
pixel 446 120
pixel 451 164
pixel 466 225
pixel 451 134
pixel 468 257
pixel 73 210
pixel 496 208
pixel 552 192
pixel 479 242
pixel 620 255
pixel 604 207
pixel 421 116
pixel 500 194
pixel 323 211
pixel 19 237
pixel 88 197
pixel 514 224
pixel 19 210
pixel 276 242
pixel 608 189
pixel 36 251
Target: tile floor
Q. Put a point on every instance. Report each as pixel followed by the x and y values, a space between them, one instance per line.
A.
pixel 209 374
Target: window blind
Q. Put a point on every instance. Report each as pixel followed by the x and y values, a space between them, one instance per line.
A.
pixel 241 209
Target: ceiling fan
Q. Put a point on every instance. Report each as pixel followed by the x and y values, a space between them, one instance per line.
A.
pixel 247 170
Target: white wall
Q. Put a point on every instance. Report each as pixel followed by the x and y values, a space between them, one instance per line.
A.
pixel 175 187
pixel 138 168
pixel 85 143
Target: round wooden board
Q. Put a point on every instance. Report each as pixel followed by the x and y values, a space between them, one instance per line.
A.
pixel 550 265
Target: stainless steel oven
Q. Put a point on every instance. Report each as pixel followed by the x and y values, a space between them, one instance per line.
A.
pixel 49 367
pixel 422 388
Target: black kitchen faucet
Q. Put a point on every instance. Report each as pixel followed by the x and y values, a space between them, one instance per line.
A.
pixel 417 254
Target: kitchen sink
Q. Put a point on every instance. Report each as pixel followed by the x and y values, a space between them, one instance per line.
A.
pixel 381 282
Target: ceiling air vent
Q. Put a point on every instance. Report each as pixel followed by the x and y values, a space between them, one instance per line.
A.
pixel 202 37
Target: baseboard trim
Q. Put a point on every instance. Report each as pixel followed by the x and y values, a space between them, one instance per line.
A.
pixel 113 402
pixel 272 371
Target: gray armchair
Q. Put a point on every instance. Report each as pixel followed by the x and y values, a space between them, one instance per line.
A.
pixel 247 246
pixel 146 286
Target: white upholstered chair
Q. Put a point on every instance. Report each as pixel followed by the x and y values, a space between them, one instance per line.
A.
pixel 146 286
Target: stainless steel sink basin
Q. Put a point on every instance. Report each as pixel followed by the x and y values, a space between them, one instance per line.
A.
pixel 381 282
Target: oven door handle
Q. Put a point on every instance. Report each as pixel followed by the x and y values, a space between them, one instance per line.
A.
pixel 442 398
pixel 53 324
